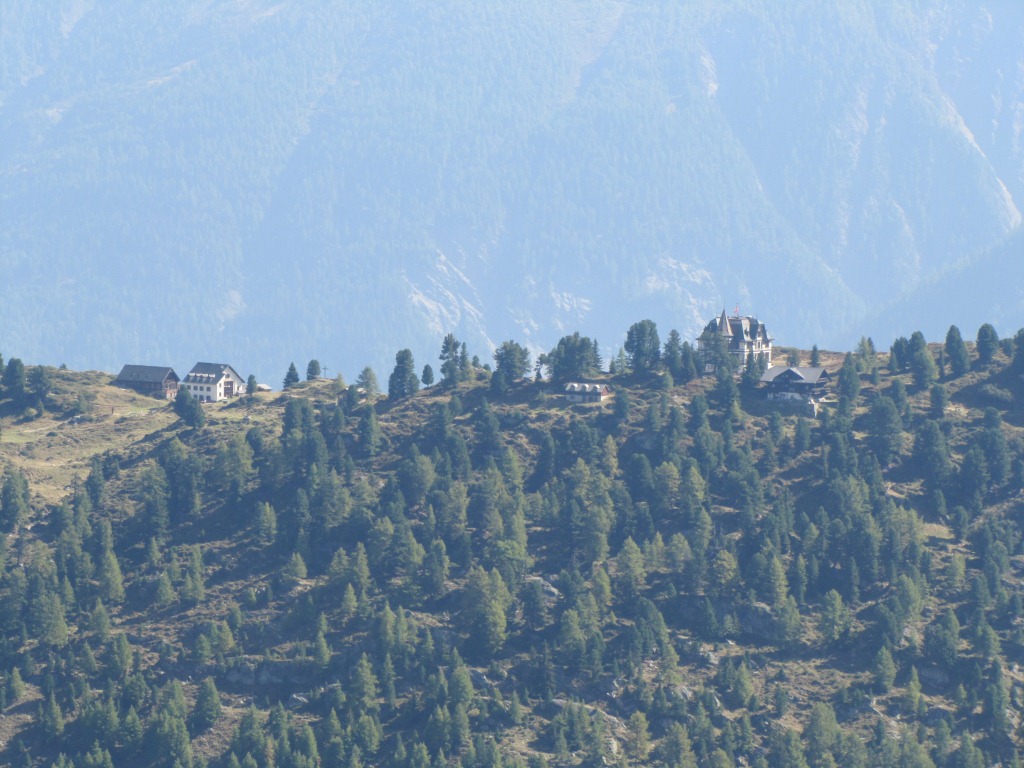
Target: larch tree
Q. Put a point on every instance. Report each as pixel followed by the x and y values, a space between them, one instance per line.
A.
pixel 367 381
pixel 207 709
pixel 369 433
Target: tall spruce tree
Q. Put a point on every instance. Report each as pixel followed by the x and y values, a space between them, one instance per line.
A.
pixel 956 352
pixel 369 433
pixel 987 343
pixel 922 363
pixel 291 377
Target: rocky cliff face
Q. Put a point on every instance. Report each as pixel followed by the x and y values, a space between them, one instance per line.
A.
pixel 265 181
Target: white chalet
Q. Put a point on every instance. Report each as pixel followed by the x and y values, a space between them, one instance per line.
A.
pixel 212 382
pixel 581 392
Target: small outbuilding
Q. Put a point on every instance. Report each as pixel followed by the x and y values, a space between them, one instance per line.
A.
pixel 580 392
pixel 156 380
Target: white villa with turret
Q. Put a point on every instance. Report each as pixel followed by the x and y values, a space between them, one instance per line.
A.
pixel 744 337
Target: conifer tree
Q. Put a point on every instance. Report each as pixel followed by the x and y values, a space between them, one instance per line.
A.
pixel 296 568
pixel 956 352
pixel 365 691
pixel 14 499
pixel 164 594
pixel 848 384
pixel 452 370
pixel 51 717
pixel 512 361
pixel 643 345
pixel 13 380
pixel 883 669
pixel 109 573
pixel 266 523
pixel 677 749
pixel 95 483
pixel 369 433
pixel 822 735
pixel 189 409
pixel 487 600
pixel 130 733
pixel 886 430
pixel 367 381
pixel 938 401
pixel 207 707
pixel 291 377
pixel 932 455
pixel 996 701
pixel 672 355
pixel 987 343
pixel 403 381
pixel 835 617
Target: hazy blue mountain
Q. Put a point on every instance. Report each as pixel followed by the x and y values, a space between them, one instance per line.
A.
pixel 985 288
pixel 268 181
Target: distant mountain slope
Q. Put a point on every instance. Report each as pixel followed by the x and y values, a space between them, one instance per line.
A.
pixel 986 289
pixel 268 181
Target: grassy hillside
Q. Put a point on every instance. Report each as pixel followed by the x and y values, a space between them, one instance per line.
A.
pixel 683 575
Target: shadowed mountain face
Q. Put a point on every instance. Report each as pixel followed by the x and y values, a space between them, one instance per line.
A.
pixel 262 182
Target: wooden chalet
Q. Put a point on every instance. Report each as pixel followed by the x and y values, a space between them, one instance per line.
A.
pixel 795 383
pixel 155 380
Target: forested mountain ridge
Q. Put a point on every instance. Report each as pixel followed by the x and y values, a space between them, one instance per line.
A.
pixel 480 574
pixel 272 175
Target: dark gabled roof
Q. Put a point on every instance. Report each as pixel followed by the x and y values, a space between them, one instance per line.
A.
pixel 739 329
pixel 209 369
pixel 146 374
pixel 210 372
pixel 795 373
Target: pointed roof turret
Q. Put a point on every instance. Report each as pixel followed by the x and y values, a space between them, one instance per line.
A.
pixel 723 325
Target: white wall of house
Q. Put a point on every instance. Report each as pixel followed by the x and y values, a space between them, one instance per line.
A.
pixel 205 391
pixel 213 390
